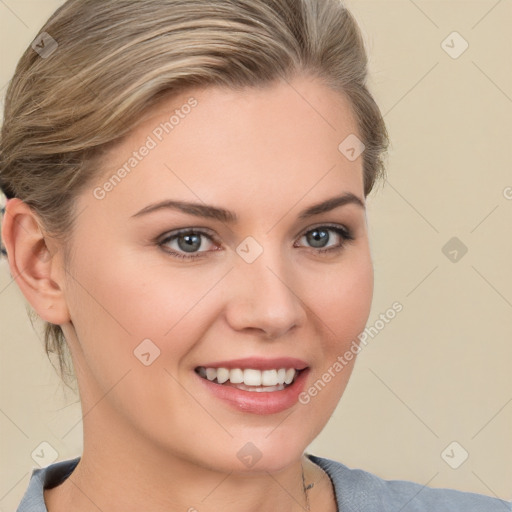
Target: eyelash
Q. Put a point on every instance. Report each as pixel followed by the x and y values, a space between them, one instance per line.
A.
pixel 344 233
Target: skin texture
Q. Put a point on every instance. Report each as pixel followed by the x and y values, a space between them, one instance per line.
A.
pixel 154 438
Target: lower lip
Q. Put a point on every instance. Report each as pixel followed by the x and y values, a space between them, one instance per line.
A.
pixel 264 402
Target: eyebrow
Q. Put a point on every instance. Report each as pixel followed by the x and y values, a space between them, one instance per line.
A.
pixel 216 213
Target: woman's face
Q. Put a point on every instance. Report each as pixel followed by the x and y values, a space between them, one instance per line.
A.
pixel 280 287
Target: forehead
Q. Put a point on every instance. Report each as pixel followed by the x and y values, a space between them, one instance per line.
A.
pixel 253 146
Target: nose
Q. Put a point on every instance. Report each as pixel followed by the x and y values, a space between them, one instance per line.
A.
pixel 263 298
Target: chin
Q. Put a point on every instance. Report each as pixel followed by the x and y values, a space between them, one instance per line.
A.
pixel 255 454
pixel 274 450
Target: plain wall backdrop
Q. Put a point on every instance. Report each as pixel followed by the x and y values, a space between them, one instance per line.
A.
pixel 433 385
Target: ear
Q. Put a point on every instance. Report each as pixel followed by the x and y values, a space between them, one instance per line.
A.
pixel 38 271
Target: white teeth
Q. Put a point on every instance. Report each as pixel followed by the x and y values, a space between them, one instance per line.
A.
pixel 236 376
pixel 290 374
pixel 269 377
pixel 222 375
pixel 251 377
pixel 261 389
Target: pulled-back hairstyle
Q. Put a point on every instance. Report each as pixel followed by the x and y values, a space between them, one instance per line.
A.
pixel 98 65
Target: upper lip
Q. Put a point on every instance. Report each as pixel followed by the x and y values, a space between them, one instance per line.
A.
pixel 259 363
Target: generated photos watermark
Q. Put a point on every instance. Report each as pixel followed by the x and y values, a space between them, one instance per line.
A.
pixel 157 135
pixel 355 347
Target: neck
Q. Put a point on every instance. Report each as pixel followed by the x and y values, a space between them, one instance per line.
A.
pixel 120 474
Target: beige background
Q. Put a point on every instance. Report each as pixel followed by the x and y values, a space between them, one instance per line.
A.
pixel 440 371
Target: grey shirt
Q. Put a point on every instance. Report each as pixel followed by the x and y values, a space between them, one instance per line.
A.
pixel 356 491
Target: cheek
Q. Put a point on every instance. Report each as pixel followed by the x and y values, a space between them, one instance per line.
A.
pixel 124 293
pixel 119 302
pixel 342 299
pixel 342 306
pixel 116 307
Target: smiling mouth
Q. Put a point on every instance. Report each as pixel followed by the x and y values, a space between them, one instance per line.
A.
pixel 250 379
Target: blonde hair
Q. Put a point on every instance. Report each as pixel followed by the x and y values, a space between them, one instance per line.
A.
pixel 102 63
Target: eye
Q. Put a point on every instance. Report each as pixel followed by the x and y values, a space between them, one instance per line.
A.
pixel 319 237
pixel 190 243
pixel 187 240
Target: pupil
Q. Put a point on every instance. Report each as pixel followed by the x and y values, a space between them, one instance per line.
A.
pixel 192 242
pixel 318 235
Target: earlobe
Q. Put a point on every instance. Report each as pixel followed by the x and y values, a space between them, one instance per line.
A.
pixel 31 262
